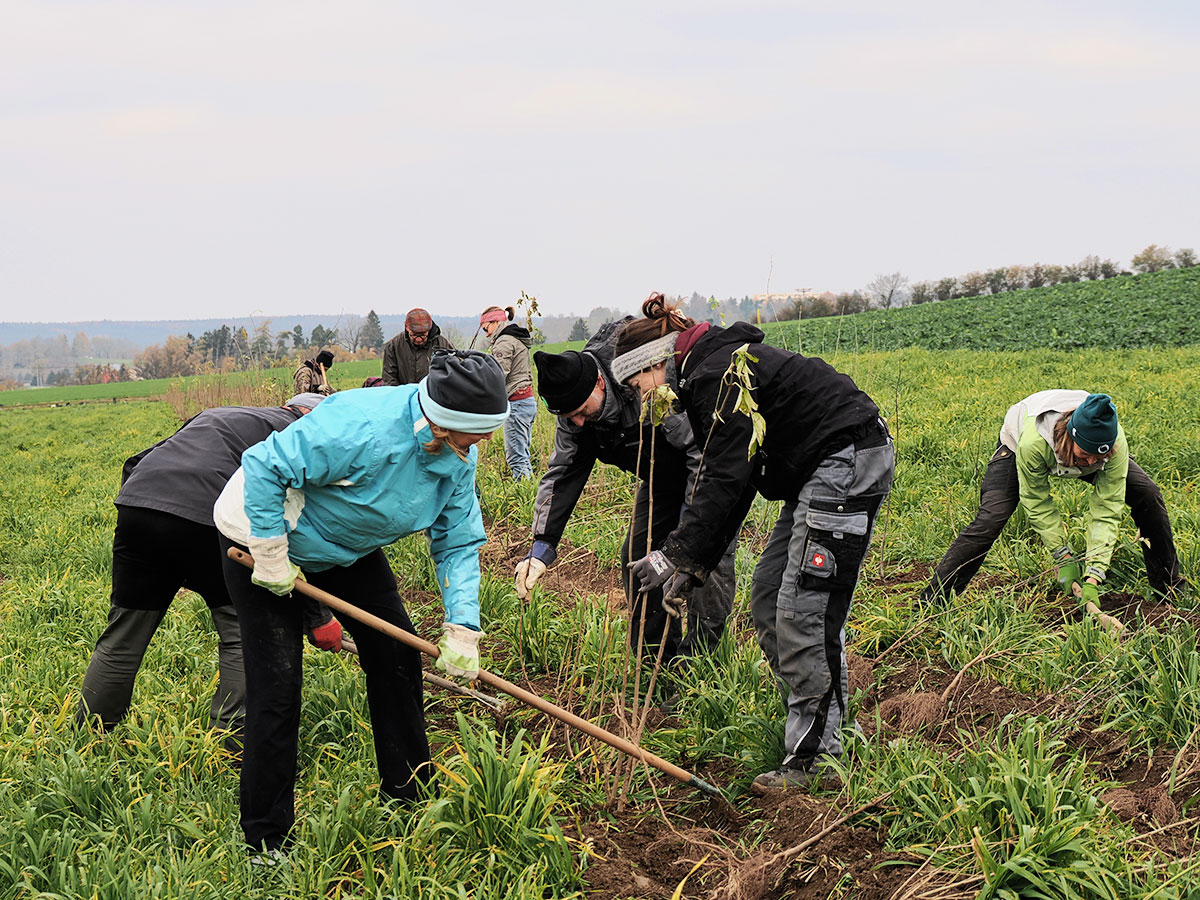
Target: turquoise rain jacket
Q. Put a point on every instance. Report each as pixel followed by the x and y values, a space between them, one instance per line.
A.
pixel 355 477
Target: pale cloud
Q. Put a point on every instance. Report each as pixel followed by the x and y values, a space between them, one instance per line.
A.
pixel 287 155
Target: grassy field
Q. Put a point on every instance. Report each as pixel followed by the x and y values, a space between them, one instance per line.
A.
pixel 1161 309
pixel 1007 747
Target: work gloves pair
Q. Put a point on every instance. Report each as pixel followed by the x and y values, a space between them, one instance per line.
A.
pixel 1070 574
pixel 458 649
pixel 655 570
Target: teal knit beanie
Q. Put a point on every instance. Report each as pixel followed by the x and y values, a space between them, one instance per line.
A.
pixel 1093 425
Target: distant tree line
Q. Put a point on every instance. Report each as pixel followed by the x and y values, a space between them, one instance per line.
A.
pixel 57 360
pixel 1017 278
pixel 228 349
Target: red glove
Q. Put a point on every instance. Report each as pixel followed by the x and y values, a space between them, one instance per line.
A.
pixel 327 636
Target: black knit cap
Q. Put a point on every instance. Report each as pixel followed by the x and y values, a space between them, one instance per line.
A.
pixel 325 358
pixel 565 380
pixel 464 391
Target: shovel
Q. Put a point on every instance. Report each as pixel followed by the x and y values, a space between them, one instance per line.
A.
pixel 530 699
pixel 496 706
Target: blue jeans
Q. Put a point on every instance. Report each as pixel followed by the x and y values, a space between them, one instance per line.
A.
pixel 518 431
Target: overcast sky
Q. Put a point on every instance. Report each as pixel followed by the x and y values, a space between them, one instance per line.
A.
pixel 185 160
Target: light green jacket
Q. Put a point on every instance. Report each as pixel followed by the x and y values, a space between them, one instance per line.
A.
pixel 1036 462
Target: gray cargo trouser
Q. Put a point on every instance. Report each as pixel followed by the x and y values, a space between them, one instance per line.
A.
pixel 108 684
pixel 801 590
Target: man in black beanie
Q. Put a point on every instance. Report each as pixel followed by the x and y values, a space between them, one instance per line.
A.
pixel 310 376
pixel 598 421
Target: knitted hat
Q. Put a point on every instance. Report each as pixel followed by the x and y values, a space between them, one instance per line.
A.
pixel 640 358
pixel 308 400
pixel 565 380
pixel 1093 425
pixel 493 315
pixel 325 358
pixel 464 391
pixel 418 321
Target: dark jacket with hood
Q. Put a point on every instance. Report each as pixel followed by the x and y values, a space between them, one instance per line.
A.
pixel 510 347
pixel 811 410
pixel 615 438
pixel 405 364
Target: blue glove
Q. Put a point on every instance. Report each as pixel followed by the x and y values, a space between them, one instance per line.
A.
pixel 652 571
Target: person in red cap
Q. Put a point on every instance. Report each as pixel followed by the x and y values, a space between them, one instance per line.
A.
pixel 406 356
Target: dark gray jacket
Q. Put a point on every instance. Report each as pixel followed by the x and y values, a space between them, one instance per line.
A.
pixel 184 474
pixel 405 364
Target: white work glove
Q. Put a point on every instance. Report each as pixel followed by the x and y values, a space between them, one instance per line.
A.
pixel 652 571
pixel 458 651
pixel 529 570
pixel 272 568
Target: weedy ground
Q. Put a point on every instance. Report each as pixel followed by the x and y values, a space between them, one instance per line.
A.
pixel 1007 745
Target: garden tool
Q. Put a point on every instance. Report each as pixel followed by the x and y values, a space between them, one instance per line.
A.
pixel 496 706
pixel 527 697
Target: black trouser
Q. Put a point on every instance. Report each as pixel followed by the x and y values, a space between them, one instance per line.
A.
pixel 154 555
pixel 709 604
pixel 999 495
pixel 272 634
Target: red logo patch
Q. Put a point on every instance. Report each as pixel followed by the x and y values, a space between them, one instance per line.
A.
pixel 818 560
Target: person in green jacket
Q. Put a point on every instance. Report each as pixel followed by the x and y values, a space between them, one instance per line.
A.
pixel 1065 434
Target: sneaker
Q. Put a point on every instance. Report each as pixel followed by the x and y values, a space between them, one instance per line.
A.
pixel 813 773
pixel 268 859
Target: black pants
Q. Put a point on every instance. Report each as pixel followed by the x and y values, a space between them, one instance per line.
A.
pixel 709 604
pixel 999 495
pixel 272 636
pixel 154 555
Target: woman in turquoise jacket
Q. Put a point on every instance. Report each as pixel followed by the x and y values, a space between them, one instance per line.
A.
pixel 323 500
pixel 1064 434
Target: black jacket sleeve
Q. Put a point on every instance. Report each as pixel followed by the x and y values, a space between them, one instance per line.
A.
pixel 723 491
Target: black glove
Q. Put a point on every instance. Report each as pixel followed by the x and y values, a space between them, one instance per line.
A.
pixel 678 592
pixel 652 571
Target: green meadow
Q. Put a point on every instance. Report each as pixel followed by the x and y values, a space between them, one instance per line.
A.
pixel 1008 746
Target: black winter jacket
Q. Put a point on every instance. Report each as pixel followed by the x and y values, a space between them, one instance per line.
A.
pixel 811 410
pixel 614 439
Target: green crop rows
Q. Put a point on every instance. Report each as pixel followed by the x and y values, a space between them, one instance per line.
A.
pixel 1161 309
pixel 150 810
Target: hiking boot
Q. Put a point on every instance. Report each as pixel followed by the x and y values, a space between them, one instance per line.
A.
pixel 808 774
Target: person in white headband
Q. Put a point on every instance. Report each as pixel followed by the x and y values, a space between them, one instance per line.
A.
pixel 364 469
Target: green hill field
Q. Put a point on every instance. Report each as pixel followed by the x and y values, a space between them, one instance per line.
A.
pixel 1161 309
